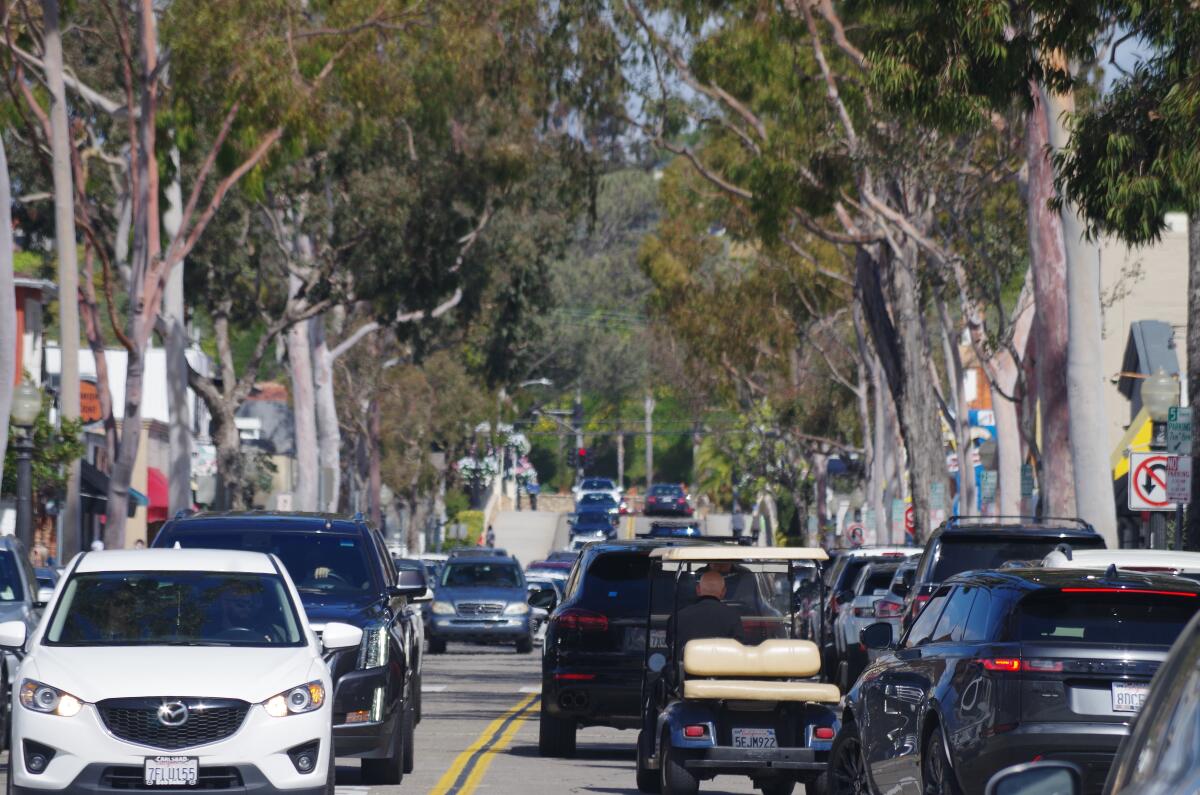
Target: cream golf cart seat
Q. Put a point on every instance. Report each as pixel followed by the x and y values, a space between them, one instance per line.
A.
pixel 722 668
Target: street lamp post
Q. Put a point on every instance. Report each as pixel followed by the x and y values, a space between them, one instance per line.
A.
pixel 26 406
pixel 1160 393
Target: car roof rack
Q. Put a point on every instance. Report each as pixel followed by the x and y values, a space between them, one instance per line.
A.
pixel 989 522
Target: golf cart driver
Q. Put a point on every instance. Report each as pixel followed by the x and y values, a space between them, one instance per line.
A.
pixel 727 687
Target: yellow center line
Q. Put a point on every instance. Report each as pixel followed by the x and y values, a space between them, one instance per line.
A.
pixel 485 759
pixel 450 777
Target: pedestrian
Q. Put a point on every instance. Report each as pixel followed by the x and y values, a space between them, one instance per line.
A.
pixel 97 545
pixel 139 544
pixel 491 537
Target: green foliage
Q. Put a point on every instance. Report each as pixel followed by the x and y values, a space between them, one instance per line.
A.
pixel 53 449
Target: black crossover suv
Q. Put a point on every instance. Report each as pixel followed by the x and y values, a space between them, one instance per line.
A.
pixel 1005 667
pixel 343 572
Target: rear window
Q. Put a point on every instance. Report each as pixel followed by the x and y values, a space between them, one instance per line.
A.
pixel 666 490
pixel 877 581
pixel 597 484
pixel 850 572
pixel 616 584
pixel 1144 619
pixel 956 555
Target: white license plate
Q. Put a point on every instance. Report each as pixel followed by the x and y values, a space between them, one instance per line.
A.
pixel 754 738
pixel 1128 696
pixel 658 639
pixel 171 771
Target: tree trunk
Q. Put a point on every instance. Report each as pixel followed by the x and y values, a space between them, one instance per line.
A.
pixel 92 323
pixel 956 376
pixel 1193 370
pixel 179 431
pixel 649 440
pixel 8 307
pixel 374 474
pixel 879 468
pixel 1047 256
pixel 230 464
pixel 303 411
pixel 820 469
pixel 1088 416
pixel 620 457
pixel 329 434
pixel 1005 376
pixel 68 262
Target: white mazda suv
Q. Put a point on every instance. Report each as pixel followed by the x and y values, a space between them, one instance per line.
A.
pixel 172 668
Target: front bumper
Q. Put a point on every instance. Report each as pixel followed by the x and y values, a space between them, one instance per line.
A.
pixel 84 750
pixel 480 630
pixel 100 778
pixel 365 690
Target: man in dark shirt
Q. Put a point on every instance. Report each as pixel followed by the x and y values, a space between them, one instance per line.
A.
pixel 708 616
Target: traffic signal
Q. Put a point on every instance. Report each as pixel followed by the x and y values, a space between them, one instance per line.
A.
pixel 572 458
pixel 583 457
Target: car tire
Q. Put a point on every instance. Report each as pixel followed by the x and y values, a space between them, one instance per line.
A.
pixel 647 779
pixel 390 769
pixel 524 645
pixel 437 646
pixel 416 699
pixel 676 778
pixel 847 768
pixel 410 726
pixel 937 775
pixel 556 736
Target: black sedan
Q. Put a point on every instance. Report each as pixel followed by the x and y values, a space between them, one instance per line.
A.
pixel 1004 667
pixel 667 499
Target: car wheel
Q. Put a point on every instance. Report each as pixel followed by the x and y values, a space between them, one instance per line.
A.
pixel 437 646
pixel 647 779
pixel 390 769
pixel 937 776
pixel 676 779
pixel 780 787
pixel 556 736
pixel 524 645
pixel 410 725
pixel 847 768
pixel 416 697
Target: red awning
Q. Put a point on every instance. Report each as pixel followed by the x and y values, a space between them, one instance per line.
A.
pixel 156 492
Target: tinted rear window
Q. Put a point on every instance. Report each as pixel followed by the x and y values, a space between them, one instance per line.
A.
pixel 597 484
pixel 666 490
pixel 1133 618
pixel 616 584
pixel 877 581
pixel 957 555
pixel 850 572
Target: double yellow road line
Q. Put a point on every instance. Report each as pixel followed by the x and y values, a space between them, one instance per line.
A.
pixel 469 767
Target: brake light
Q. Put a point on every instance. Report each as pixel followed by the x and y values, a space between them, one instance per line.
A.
pixel 582 620
pixel 1008 664
pixel 886 609
pixel 574 677
pixel 1128 590
pixel 823 733
pixel 1048 666
pixel 695 731
pixel 864 612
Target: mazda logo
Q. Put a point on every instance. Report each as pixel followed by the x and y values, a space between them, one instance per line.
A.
pixel 173 713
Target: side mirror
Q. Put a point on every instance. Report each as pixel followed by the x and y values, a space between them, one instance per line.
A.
pixel 542 599
pixel 877 636
pixel 335 637
pixel 424 596
pixel 13 635
pixel 44 595
pixel 409 583
pixel 1037 778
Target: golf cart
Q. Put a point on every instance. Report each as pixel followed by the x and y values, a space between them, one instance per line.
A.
pixel 720 706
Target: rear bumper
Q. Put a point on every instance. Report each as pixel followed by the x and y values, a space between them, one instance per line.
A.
pixel 759 761
pixel 594 703
pixel 1092 746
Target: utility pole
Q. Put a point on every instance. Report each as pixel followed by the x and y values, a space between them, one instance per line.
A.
pixel 577 423
pixel 649 439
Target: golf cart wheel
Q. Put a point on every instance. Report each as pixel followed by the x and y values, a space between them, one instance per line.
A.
pixel 676 779
pixel 556 736
pixel 647 779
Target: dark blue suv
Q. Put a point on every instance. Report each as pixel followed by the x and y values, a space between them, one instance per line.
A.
pixel 343 571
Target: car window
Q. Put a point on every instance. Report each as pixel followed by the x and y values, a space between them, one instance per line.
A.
pixel 481 575
pixel 902 581
pixel 666 490
pixel 950 626
pixel 981 621
pixel 922 628
pixel 617 584
pixel 875 580
pixel 849 573
pixel 956 555
pixel 10 579
pixel 597 483
pixel 1101 616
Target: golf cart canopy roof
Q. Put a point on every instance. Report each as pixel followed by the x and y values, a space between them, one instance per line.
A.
pixel 738 554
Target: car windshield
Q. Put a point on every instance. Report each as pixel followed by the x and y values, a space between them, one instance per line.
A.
pixel 481 575
pixel 597 483
pixel 957 555
pixel 10 580
pixel 319 564
pixel 666 490
pixel 174 608
pixel 1101 616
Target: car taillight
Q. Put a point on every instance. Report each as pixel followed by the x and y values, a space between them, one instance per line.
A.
pixel 864 612
pixel 1016 664
pixel 582 620
pixel 886 609
pixel 695 731
pixel 823 733
pixel 1007 664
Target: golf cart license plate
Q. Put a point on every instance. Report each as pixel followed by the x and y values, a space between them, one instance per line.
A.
pixel 754 738
pixel 171 771
pixel 1128 696
pixel 658 639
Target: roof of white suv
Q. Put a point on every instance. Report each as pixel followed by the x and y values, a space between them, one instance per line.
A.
pixel 177 560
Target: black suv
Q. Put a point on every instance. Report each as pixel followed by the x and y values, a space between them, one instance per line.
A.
pixel 343 572
pixel 1009 666
pixel 595 644
pixel 988 542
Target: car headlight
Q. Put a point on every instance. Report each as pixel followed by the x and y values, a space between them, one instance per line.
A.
pixel 374 649
pixel 516 609
pixel 296 701
pixel 443 609
pixel 48 700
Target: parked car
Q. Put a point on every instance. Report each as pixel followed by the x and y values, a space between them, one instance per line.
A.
pixel 1157 758
pixel 987 542
pixel 667 499
pixel 186 668
pixel 21 599
pixel 1155 561
pixel 344 574
pixel 47 578
pixel 1008 666
pixel 595 645
pixel 481 599
pixel 839 580
pixel 857 613
pixel 890 607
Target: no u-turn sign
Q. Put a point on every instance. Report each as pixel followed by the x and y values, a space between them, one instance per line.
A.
pixel 1148 482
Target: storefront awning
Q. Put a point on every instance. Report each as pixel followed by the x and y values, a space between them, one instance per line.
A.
pixel 157 492
pixel 1136 439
